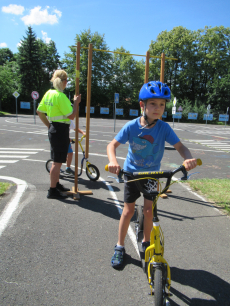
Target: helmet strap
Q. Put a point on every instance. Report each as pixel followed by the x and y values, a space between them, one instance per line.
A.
pixel 146 118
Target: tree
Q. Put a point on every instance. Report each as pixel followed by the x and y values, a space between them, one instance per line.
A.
pixel 180 75
pixel 9 83
pixel 215 50
pixel 37 62
pixel 50 61
pixel 6 55
pixel 127 79
pixel 29 63
pixel 101 68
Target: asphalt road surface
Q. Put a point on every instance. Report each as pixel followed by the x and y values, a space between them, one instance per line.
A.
pixel 58 252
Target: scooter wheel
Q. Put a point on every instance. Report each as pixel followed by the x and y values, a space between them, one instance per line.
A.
pixel 140 217
pixel 49 164
pixel 92 172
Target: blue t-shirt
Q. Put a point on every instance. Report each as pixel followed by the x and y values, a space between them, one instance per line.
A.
pixel 146 146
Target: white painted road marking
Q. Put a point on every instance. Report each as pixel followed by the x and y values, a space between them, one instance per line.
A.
pixel 13 204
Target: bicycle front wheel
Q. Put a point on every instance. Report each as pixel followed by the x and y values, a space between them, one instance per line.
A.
pixel 92 172
pixel 159 288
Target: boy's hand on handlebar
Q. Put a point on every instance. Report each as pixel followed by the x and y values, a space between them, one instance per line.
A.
pixel 190 164
pixel 114 168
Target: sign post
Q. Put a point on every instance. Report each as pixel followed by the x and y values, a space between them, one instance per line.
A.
pixel 16 95
pixel 180 109
pixel 208 112
pixel 226 115
pixel 174 109
pixel 35 96
pixel 116 100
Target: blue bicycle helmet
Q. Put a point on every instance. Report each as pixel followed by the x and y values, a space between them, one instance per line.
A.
pixel 157 90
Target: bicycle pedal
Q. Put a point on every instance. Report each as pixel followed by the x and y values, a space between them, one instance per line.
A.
pixel 163 196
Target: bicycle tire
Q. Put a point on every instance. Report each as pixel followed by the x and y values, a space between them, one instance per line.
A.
pixel 49 164
pixel 95 174
pixel 140 217
pixel 62 169
pixel 159 287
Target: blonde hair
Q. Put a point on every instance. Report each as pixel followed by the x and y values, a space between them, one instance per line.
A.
pixel 58 77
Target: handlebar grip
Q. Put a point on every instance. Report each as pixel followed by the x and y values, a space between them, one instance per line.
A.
pixel 199 162
pixel 106 168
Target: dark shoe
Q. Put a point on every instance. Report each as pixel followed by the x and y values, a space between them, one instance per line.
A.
pixel 117 260
pixel 60 187
pixel 55 194
pixel 145 245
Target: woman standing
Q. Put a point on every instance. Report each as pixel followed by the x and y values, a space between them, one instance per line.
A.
pixel 59 113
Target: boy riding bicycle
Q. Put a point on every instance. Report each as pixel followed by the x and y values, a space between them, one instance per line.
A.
pixel 146 135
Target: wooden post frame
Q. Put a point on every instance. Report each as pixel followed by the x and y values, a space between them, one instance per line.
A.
pixel 75 192
pixel 162 67
pixel 147 67
pixel 77 115
pixel 88 101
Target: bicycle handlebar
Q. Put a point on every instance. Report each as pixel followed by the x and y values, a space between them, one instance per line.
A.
pixel 137 176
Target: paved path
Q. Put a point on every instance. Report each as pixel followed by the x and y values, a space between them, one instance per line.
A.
pixel 58 253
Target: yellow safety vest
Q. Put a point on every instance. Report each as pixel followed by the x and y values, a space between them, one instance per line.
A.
pixel 56 105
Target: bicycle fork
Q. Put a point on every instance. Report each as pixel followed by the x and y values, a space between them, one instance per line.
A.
pixel 154 255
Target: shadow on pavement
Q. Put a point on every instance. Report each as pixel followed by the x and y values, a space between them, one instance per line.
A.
pixel 216 289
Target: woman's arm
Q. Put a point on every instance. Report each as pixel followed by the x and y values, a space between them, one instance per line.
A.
pixel 77 100
pixel 43 118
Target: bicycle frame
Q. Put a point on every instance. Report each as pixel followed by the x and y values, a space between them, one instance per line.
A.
pixel 155 252
pixel 156 267
pixel 83 158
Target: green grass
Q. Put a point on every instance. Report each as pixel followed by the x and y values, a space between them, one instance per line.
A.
pixel 215 190
pixel 4 187
pixel 4 113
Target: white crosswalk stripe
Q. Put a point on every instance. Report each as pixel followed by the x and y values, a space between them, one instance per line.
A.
pixel 13 155
pixel 222 132
pixel 218 145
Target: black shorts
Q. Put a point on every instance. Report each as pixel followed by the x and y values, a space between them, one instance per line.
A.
pixel 132 193
pixel 59 141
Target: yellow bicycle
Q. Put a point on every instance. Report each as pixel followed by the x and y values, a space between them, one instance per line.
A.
pixel 153 261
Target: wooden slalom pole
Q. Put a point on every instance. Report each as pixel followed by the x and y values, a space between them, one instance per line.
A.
pixel 147 67
pixel 162 67
pixel 76 193
pixel 88 101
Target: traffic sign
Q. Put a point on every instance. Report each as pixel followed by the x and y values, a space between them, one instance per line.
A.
pixel 174 110
pixel 35 95
pixel 180 109
pixel 116 98
pixel 174 102
pixel 16 94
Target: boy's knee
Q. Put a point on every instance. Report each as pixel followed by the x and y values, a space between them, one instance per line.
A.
pixel 147 212
pixel 128 212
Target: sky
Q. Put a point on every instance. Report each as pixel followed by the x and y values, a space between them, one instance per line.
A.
pixel 132 24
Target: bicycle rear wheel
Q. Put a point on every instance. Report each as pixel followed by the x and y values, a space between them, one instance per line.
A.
pixel 140 217
pixel 159 287
pixel 49 164
pixel 62 170
pixel 92 172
